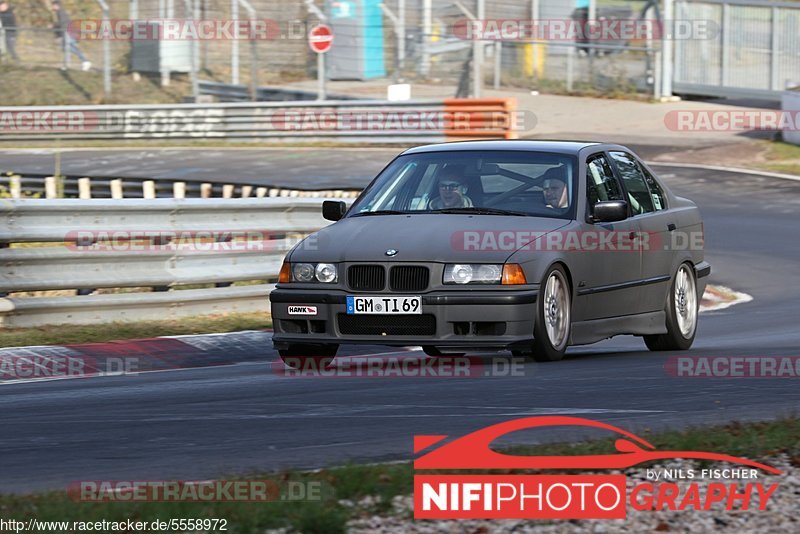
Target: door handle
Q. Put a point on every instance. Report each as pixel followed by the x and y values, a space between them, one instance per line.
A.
pixel 671 227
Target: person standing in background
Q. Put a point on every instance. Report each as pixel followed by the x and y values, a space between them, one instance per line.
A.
pixel 8 22
pixel 581 16
pixel 61 28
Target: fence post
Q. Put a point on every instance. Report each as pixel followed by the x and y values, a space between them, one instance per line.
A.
pixel 106 51
pixel 570 67
pixel 725 48
pixel 667 36
pixel 773 52
pixel 235 45
pixel 498 63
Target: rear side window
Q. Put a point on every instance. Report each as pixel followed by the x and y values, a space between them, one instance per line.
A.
pixel 659 200
pixel 601 185
pixel 638 193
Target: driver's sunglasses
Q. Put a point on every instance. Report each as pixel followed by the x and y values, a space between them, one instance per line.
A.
pixel 449 186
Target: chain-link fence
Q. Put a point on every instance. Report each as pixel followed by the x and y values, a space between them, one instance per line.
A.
pixel 419 41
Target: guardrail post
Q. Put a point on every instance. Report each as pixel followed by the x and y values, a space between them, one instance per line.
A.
pixel 227 191
pixel 50 188
pixel 205 190
pixel 149 189
pixel 179 189
pixel 14 186
pixel 116 188
pixel 84 188
pixel 261 192
pixel 246 190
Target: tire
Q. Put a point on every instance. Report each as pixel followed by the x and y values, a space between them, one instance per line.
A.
pixel 682 310
pixel 434 352
pixel 307 356
pixel 553 322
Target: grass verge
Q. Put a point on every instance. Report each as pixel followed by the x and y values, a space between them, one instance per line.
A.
pixel 68 334
pixel 782 157
pixel 351 484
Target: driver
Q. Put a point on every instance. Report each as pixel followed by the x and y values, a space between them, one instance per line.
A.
pixel 452 191
pixel 555 193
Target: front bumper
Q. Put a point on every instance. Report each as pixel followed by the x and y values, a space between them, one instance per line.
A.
pixel 462 319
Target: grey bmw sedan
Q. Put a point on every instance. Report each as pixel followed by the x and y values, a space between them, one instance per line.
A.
pixel 528 246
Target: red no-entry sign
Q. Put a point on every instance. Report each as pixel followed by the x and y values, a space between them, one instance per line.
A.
pixel 320 38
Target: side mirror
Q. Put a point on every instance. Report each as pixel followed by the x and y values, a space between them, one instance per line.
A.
pixel 333 210
pixel 610 211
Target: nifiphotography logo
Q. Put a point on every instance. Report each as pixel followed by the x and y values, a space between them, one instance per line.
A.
pixel 572 496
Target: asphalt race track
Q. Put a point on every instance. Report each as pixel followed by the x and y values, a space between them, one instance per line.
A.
pixel 299 168
pixel 292 168
pixel 192 424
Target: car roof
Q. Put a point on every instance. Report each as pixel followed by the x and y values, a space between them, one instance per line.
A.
pixel 559 147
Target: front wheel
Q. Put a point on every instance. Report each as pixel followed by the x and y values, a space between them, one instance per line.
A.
pixel 553 322
pixel 308 356
pixel 681 309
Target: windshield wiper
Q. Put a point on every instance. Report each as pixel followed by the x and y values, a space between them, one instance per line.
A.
pixel 378 212
pixel 481 211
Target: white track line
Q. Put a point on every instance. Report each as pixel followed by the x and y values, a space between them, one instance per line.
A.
pixel 727 169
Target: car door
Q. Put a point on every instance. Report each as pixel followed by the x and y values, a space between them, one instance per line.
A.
pixel 610 268
pixel 649 209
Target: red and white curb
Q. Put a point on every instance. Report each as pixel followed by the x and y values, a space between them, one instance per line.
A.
pixel 169 353
pixel 720 297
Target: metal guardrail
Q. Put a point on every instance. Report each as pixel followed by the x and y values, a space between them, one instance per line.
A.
pixel 77 186
pixel 357 120
pixel 229 92
pixel 164 244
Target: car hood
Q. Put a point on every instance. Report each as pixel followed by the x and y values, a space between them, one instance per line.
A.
pixel 428 238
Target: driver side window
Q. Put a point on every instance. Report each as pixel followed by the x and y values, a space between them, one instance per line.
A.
pixel 601 185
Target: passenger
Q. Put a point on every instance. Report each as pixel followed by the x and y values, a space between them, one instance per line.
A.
pixel 452 191
pixel 555 193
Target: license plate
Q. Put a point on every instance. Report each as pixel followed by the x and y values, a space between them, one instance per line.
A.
pixel 384 305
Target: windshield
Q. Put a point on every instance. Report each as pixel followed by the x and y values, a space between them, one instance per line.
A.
pixel 493 182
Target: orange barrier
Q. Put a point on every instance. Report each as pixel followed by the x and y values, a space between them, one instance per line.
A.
pixel 481 118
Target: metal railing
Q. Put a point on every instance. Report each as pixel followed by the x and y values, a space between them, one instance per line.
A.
pixel 756 54
pixel 51 249
pixel 358 120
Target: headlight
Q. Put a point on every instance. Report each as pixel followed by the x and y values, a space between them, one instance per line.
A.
pixel 303 272
pixel 326 273
pixel 311 272
pixel 467 273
